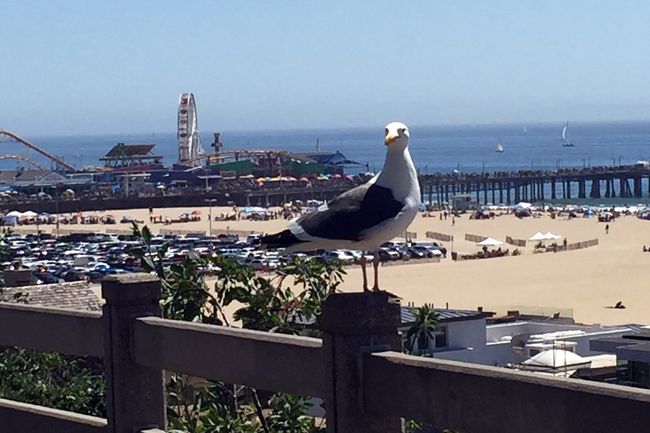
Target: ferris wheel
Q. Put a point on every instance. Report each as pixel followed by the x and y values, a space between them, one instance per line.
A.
pixel 189 141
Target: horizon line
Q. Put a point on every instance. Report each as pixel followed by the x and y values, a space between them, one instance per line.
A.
pixel 366 127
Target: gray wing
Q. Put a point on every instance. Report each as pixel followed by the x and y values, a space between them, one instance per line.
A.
pixel 351 213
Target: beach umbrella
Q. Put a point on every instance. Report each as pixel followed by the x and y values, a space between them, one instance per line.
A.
pixel 522 205
pixel 261 179
pixel 15 214
pixel 336 176
pixel 196 212
pixel 489 242
pixel 29 214
pixel 349 177
pixel 304 179
pixel 539 236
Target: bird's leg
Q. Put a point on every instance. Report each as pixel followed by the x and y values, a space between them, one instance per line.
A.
pixel 375 265
pixel 362 262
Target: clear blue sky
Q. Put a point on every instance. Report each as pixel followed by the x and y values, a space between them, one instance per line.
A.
pixel 77 67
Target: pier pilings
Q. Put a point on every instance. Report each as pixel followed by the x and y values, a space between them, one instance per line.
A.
pixel 538 186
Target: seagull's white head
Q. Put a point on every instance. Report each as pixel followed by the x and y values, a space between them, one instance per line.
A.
pixel 397 135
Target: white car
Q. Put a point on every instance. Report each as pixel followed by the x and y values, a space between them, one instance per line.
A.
pixel 340 255
pixel 358 254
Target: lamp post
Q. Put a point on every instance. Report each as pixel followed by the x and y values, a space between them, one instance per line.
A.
pixel 56 195
pixel 210 201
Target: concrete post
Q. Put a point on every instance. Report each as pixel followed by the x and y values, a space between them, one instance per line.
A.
pixel 135 395
pixel 354 324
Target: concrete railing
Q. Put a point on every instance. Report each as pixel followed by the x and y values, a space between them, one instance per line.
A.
pixel 357 368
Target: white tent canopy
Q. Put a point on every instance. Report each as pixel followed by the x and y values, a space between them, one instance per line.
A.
pixel 552 236
pixel 29 214
pixel 539 236
pixel 489 242
pixel 522 205
pixel 14 213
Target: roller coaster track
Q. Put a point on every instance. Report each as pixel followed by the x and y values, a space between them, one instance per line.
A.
pixel 23 158
pixel 58 161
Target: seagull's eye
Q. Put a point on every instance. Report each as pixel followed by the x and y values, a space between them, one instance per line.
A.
pixel 401 131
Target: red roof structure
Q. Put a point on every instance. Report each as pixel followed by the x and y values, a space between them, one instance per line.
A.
pixel 131 156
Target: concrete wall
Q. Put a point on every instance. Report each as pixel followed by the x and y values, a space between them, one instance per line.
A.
pixel 467 343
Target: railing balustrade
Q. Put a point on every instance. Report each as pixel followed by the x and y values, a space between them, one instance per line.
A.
pixel 367 384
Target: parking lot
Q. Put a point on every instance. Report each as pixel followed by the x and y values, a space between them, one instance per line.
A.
pixel 91 256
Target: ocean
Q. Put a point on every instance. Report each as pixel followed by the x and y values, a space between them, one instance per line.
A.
pixel 434 148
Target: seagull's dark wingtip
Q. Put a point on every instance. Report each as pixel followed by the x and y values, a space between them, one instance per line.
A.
pixel 283 239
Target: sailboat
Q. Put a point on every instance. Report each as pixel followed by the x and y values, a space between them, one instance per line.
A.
pixel 565 142
pixel 500 147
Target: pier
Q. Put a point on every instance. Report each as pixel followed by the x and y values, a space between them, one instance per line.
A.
pixel 628 182
pixel 537 186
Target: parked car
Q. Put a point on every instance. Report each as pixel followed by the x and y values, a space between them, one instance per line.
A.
pixel 343 256
pixel 387 254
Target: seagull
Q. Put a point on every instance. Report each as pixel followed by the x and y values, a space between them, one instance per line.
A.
pixel 364 217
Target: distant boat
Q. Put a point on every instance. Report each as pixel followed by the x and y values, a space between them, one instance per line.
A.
pixel 565 141
pixel 500 147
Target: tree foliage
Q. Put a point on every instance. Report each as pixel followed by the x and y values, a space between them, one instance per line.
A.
pixel 50 379
pixel 283 302
pixel 422 331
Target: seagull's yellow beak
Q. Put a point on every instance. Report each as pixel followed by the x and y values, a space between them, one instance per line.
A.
pixel 390 137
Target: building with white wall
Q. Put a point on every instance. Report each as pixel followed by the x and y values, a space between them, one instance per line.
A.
pixel 466 335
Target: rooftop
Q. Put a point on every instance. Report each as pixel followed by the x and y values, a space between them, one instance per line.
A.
pixel 446 315
pixel 70 296
pixel 631 347
pixel 126 150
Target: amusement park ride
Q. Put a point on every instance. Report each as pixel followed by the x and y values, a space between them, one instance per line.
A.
pixel 140 157
pixel 57 163
pixel 190 151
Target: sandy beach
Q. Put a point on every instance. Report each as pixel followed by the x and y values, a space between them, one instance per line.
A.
pixel 584 282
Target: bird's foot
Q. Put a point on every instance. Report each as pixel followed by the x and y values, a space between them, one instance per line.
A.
pixel 376 288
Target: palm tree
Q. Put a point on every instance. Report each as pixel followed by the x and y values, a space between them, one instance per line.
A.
pixel 422 330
